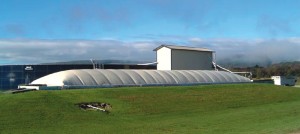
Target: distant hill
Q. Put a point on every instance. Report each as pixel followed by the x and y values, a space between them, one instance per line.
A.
pixel 288 64
pixel 279 69
pixel 244 62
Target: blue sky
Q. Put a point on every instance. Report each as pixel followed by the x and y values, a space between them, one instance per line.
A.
pixel 138 25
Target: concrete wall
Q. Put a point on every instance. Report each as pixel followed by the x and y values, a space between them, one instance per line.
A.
pixel 163 58
pixel 191 60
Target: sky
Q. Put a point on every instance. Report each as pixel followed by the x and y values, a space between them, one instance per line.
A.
pixel 253 31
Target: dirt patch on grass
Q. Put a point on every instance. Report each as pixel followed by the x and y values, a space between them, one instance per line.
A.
pixel 95 106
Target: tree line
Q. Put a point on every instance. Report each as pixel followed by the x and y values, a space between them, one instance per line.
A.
pixel 280 69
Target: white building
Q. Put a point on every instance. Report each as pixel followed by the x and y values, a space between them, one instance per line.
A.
pixel 183 58
pixel 283 80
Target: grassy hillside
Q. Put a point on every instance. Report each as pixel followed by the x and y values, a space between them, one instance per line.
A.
pixel 244 108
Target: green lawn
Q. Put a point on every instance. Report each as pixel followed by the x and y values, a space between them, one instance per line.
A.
pixel 242 108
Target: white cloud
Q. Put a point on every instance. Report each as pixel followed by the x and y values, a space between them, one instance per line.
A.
pixel 258 51
pixel 37 51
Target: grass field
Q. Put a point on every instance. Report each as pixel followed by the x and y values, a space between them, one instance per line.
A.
pixel 243 108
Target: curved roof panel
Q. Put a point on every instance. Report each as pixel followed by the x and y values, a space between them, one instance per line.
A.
pixel 102 77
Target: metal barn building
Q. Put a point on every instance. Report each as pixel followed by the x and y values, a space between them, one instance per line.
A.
pixel 176 65
pixel 87 78
pixel 170 57
pixel 13 75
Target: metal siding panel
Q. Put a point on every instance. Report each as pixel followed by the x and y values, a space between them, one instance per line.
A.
pixel 191 60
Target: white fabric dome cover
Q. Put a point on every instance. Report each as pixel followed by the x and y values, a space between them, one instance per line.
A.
pixel 109 78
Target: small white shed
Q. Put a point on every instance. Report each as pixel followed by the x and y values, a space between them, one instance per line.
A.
pixel 284 80
pixel 170 57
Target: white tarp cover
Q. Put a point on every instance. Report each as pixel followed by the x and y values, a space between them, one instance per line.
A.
pixel 106 78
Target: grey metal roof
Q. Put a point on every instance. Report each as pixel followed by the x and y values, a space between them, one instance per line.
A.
pixel 110 78
pixel 183 48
